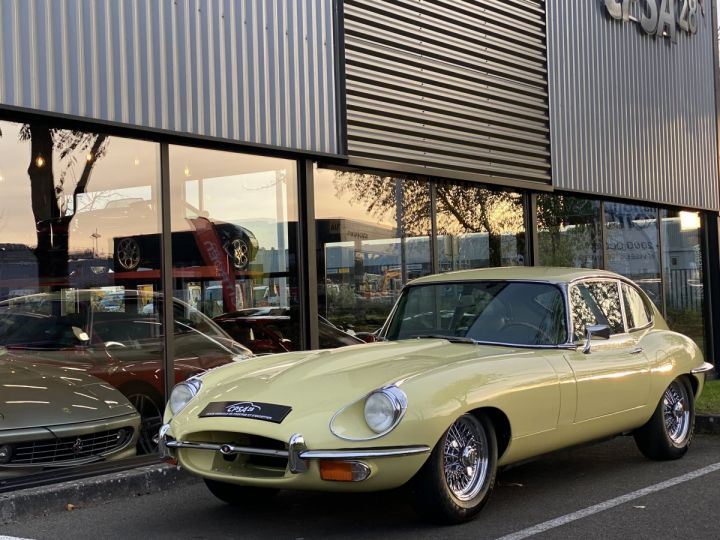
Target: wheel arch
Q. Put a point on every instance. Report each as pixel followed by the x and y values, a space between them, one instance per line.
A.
pixel 501 425
pixel 141 387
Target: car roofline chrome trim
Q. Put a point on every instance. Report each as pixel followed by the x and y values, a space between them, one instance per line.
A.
pixel 297 451
pixel 707 366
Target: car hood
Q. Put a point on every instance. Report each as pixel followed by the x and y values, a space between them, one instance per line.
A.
pixel 43 396
pixel 338 376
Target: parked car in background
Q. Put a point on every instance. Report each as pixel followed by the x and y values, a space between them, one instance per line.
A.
pixel 111 334
pixel 481 369
pixel 54 417
pixel 273 330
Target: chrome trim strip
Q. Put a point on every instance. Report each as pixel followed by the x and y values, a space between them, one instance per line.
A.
pixel 365 454
pixel 227 449
pixel 298 453
pixel 707 366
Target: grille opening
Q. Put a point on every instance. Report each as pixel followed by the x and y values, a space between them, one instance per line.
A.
pixel 68 449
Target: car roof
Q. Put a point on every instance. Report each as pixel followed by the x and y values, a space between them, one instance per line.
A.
pixel 523 273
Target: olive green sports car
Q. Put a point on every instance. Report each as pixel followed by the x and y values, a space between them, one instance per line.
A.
pixel 54 417
pixel 478 369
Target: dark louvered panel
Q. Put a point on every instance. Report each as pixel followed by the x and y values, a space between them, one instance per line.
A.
pixel 449 87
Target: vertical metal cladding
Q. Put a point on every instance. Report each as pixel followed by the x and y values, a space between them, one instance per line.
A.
pixel 256 71
pixel 449 87
pixel 632 115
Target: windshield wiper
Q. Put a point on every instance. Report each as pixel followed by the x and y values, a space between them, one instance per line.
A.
pixel 451 339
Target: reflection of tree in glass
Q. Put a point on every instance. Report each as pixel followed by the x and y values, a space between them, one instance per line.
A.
pixel 582 315
pixel 569 231
pixel 607 297
pixel 461 208
pixel 48 193
pixel 380 194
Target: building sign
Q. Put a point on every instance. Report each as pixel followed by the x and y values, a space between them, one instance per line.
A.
pixel 664 18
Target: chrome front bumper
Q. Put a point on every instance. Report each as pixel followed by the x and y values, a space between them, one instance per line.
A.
pixel 296 454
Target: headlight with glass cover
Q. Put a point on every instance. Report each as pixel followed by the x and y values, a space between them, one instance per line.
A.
pixel 183 393
pixel 384 408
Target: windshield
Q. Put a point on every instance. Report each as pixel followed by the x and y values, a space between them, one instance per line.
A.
pixel 502 312
pixel 124 318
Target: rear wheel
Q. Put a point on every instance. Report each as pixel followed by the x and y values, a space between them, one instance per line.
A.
pixel 458 478
pixel 239 495
pixel 668 433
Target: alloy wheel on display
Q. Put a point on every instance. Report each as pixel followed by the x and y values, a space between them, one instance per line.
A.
pixel 239 252
pixel 128 253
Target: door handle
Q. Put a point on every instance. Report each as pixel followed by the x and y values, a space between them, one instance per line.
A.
pixel 637 350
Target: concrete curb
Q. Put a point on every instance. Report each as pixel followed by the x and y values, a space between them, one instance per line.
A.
pixel 33 502
pixel 707 423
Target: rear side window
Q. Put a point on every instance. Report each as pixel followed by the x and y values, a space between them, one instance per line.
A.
pixel 596 302
pixel 636 309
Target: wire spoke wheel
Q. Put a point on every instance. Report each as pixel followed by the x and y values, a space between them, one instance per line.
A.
pixel 676 413
pixel 669 431
pixel 458 477
pixel 465 459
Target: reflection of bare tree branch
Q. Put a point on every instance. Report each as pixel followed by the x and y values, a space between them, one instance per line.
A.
pixel 48 205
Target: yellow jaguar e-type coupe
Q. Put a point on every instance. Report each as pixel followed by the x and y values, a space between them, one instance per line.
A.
pixel 476 369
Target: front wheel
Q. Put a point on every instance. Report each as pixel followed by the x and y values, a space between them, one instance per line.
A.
pixel 668 433
pixel 239 495
pixel 459 476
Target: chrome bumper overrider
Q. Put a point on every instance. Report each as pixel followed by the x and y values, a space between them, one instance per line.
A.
pixel 296 453
pixel 704 368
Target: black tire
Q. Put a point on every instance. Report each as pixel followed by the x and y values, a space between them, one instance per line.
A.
pixel 235 495
pixel 238 249
pixel 150 407
pixel 444 490
pixel 127 254
pixel 668 433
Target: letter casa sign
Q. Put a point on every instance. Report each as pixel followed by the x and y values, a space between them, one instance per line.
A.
pixel 659 17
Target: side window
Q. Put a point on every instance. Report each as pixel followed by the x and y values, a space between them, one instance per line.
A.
pixel 637 311
pixel 596 302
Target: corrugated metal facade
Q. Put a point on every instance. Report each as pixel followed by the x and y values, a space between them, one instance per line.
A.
pixel 632 115
pixel 449 87
pixel 256 71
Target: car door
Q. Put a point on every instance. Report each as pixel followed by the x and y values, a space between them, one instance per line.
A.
pixel 614 375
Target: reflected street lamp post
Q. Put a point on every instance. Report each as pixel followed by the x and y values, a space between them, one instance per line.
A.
pixel 95 237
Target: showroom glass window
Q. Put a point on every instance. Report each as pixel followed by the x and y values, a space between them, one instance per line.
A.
pixel 84 354
pixel 683 273
pixel 632 246
pixel 569 231
pixel 478 227
pixel 373 235
pixel 234 229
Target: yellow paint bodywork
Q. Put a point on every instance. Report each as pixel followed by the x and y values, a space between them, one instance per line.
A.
pixel 551 398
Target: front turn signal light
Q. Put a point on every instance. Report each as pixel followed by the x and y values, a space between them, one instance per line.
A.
pixel 344 471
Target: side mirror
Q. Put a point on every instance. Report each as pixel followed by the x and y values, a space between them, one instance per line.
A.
pixel 595 331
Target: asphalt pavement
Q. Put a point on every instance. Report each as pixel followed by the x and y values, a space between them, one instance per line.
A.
pixel 607 490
